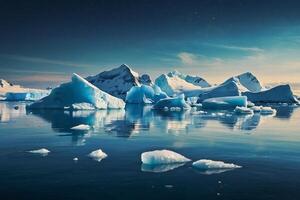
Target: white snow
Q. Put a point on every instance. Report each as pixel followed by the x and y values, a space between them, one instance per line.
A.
pixel 42 151
pixel 211 164
pixel 118 81
pixel 224 102
pixel 243 110
pixel 195 80
pixel 247 82
pixel 78 91
pixel 81 127
pixel 98 155
pixel 162 157
pixel 82 106
pixel 173 104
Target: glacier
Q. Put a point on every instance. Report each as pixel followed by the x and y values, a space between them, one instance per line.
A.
pixel 118 81
pixel 171 103
pixel 277 94
pixel 211 164
pixel 77 91
pixel 225 102
pixel 158 157
pixel 145 94
pixel 97 155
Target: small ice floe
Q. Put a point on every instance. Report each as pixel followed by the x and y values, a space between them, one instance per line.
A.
pixel 250 104
pixel 243 111
pixel 81 127
pixel 160 168
pixel 98 155
pixel 256 109
pixel 43 151
pixel 75 159
pixel 267 111
pixel 158 157
pixel 211 164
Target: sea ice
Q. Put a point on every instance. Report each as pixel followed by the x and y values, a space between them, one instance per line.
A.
pixel 81 127
pixel 267 111
pixel 211 164
pixel 78 91
pixel 158 157
pixel 98 155
pixel 42 151
pixel 225 102
pixel 243 110
pixel 172 103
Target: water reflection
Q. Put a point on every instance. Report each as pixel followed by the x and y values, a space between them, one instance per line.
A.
pixel 10 111
pixel 160 168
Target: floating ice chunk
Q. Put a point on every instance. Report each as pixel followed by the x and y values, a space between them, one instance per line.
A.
pixel 176 103
pixel 158 157
pixel 98 155
pixel 225 102
pixel 81 127
pixel 75 159
pixel 250 104
pixel 243 110
pixel 82 106
pixel 211 164
pixel 78 90
pixel 145 94
pixel 42 151
pixel 267 111
pixel 160 168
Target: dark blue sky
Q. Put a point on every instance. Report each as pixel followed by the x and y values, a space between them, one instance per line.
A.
pixel 43 42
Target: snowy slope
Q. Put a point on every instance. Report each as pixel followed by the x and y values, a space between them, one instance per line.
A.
pixel 247 82
pixel 195 80
pixel 118 81
pixel 12 92
pixel 78 91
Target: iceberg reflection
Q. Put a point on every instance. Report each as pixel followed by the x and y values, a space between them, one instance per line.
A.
pixel 160 168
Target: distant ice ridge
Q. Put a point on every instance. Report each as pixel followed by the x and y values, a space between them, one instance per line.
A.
pixel 118 81
pixel 98 155
pixel 145 94
pixel 169 103
pixel 42 151
pixel 225 102
pixel 247 82
pixel 81 127
pixel 210 164
pixel 195 80
pixel 72 94
pixel 10 92
pixel 158 157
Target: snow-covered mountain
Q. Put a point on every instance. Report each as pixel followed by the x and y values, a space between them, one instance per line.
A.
pixel 119 81
pixel 195 80
pixel 247 82
pixel 12 92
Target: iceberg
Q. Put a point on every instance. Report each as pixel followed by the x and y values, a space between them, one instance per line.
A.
pixel 225 102
pixel 76 92
pixel 247 82
pixel 118 81
pixel 195 80
pixel 159 157
pixel 145 94
pixel 243 111
pixel 82 106
pixel 172 103
pixel 211 164
pixel 97 155
pixel 277 94
pixel 42 151
pixel 81 127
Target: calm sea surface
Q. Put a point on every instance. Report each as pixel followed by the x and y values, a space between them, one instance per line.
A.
pixel 268 148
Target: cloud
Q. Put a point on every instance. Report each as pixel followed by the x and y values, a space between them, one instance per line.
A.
pixel 44 60
pixel 237 48
pixel 196 60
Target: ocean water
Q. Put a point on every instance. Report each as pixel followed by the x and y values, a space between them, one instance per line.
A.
pixel 267 148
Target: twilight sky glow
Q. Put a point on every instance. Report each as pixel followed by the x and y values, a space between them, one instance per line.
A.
pixel 43 42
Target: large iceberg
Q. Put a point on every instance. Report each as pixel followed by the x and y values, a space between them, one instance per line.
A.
pixel 159 157
pixel 118 81
pixel 225 102
pixel 195 80
pixel 145 94
pixel 11 92
pixel 77 91
pixel 211 164
pixel 174 102
pixel 277 94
